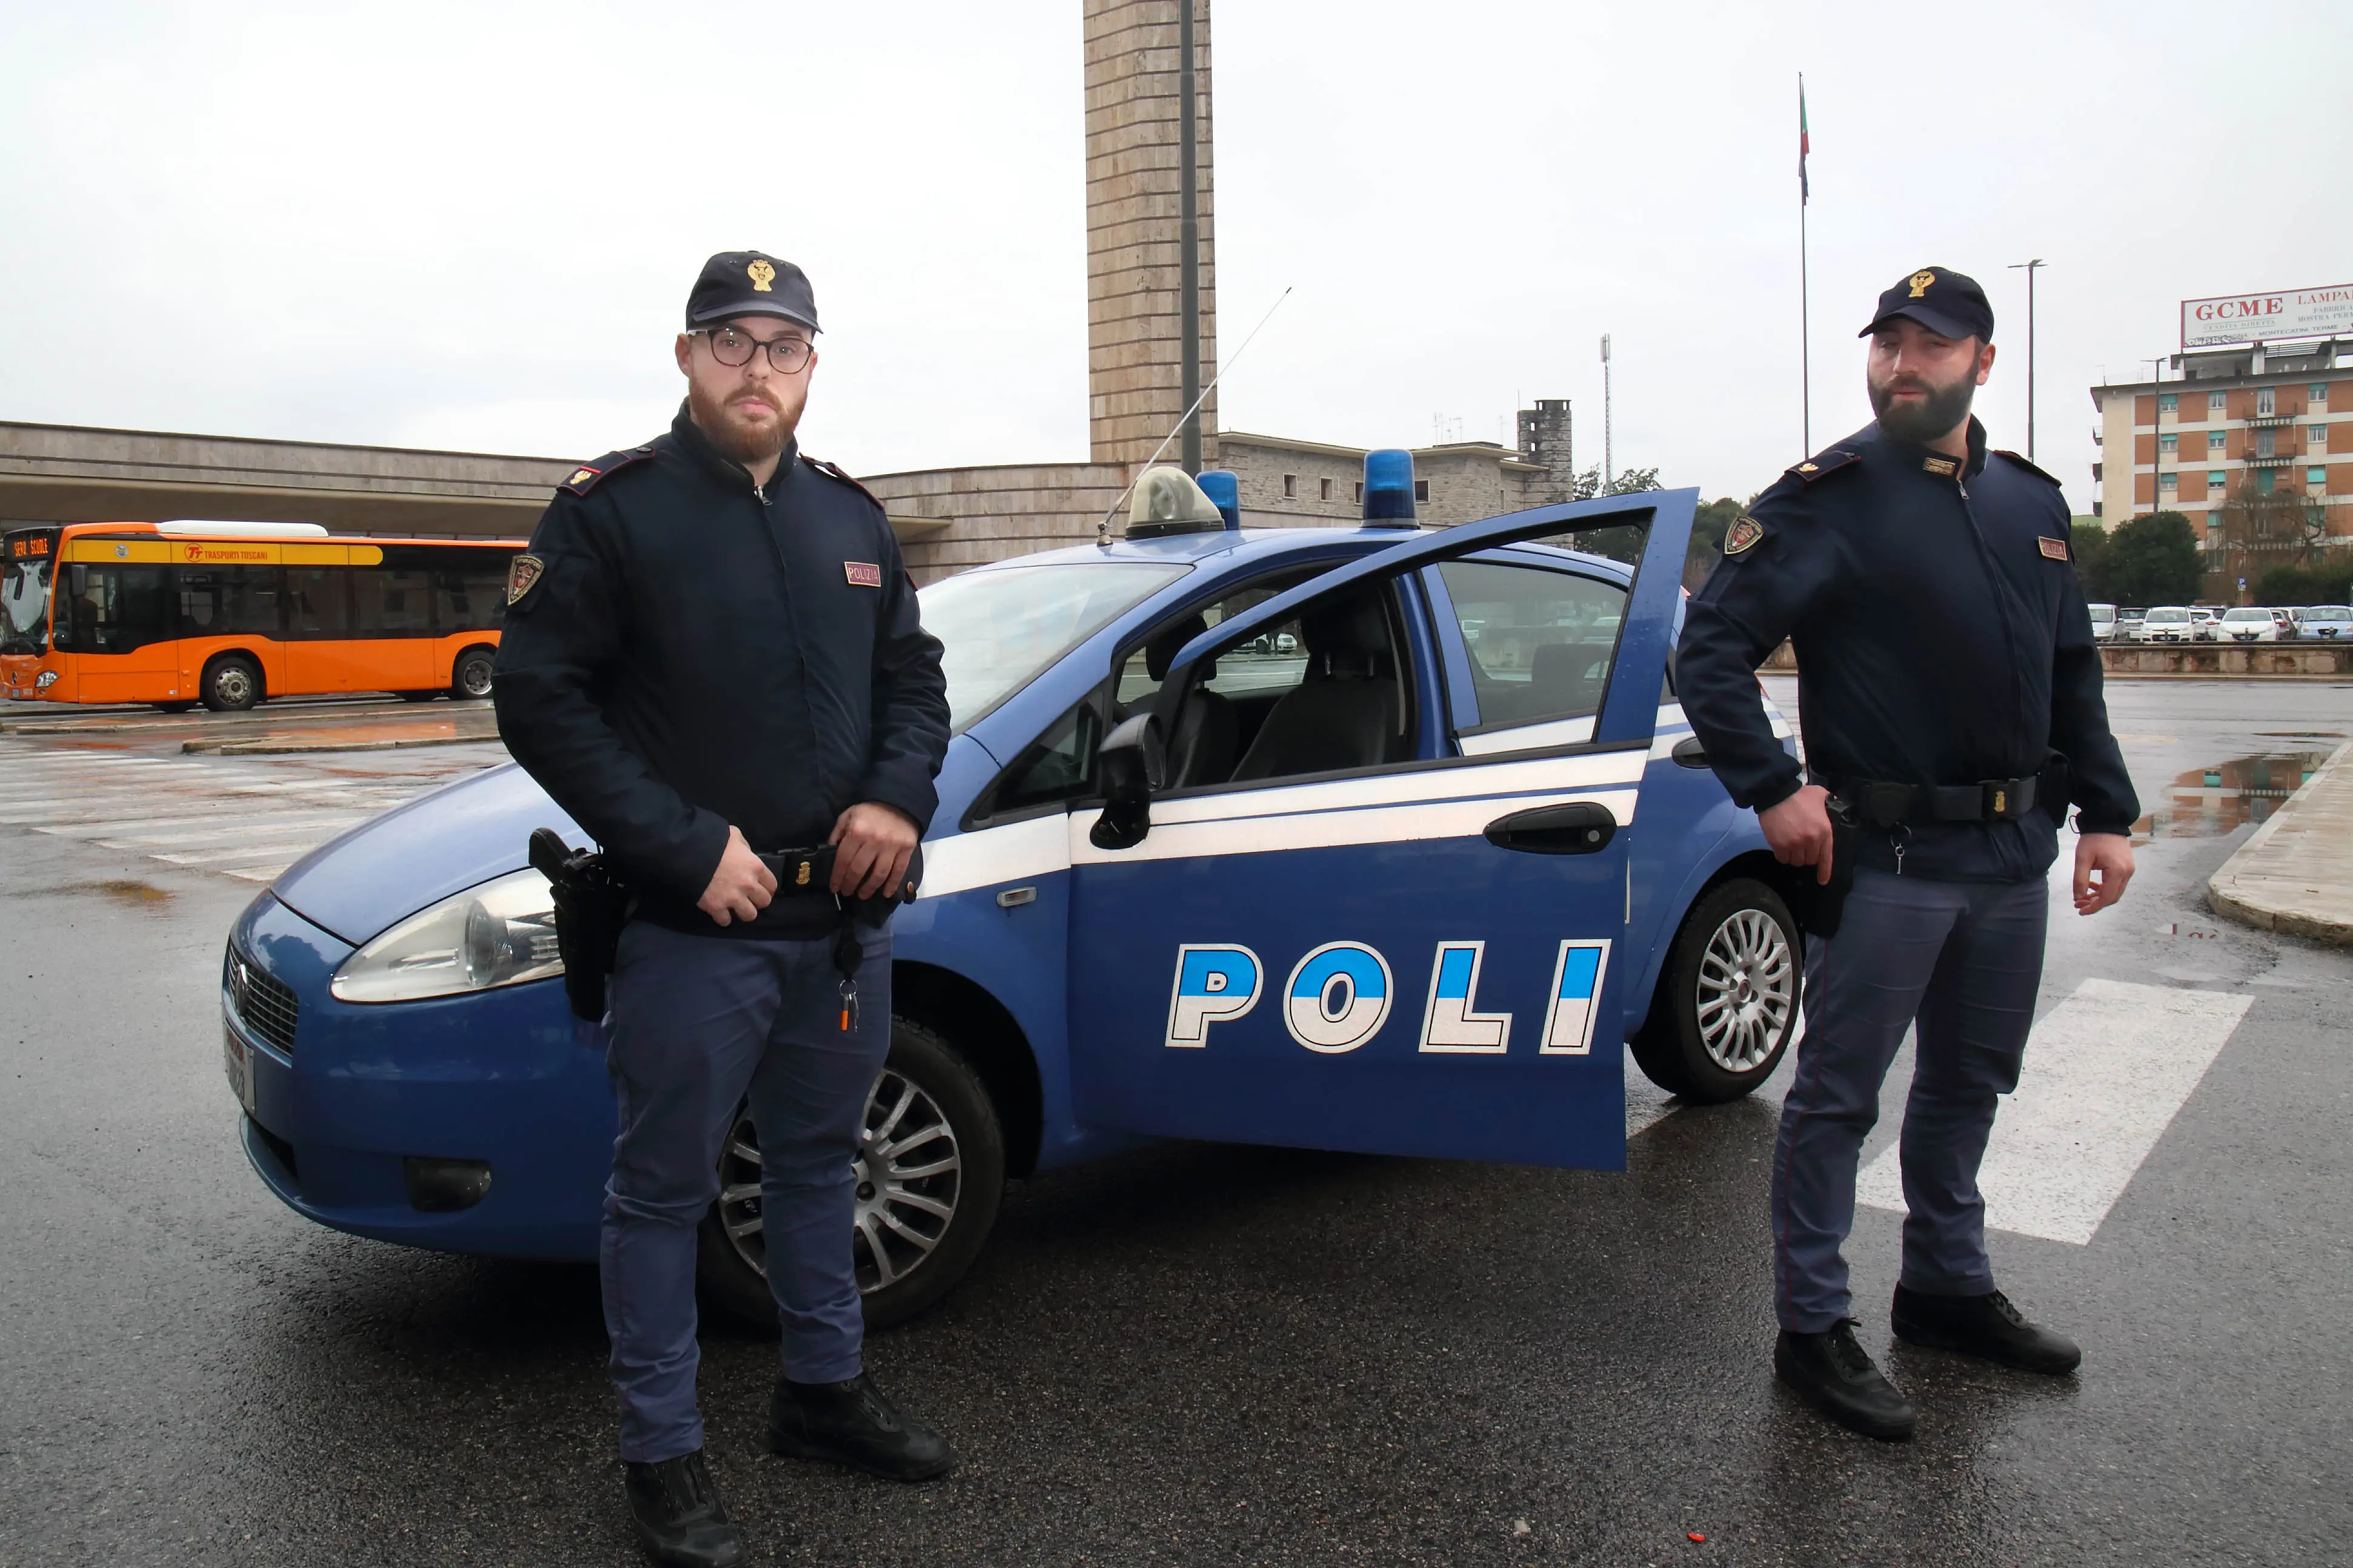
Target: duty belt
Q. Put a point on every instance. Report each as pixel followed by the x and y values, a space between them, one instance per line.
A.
pixel 1887 803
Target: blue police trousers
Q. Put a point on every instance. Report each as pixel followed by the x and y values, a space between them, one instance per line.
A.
pixel 1965 958
pixel 695 1023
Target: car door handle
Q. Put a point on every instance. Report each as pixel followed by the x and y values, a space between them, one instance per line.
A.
pixel 1580 828
pixel 1689 752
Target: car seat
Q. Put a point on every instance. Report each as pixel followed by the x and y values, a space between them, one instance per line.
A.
pixel 1200 749
pixel 1347 712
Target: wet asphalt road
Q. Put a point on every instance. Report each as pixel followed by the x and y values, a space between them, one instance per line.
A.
pixel 1196 1354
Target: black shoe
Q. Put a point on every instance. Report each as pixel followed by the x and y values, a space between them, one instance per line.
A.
pixel 1835 1376
pixel 852 1424
pixel 1985 1326
pixel 676 1514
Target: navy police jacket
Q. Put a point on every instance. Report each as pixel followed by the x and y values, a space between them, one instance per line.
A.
pixel 1941 639
pixel 683 651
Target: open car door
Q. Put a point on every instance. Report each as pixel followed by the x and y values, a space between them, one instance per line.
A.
pixel 1415 957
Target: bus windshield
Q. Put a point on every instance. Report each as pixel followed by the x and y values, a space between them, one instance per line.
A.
pixel 1001 628
pixel 25 593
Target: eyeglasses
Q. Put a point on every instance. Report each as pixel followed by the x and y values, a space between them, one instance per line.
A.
pixel 733 348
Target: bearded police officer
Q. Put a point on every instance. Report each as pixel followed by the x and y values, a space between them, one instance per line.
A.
pixel 711 651
pixel 1950 707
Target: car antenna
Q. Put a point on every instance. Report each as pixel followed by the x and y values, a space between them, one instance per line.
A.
pixel 1102 528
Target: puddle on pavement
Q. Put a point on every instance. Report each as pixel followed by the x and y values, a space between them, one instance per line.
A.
pixel 2208 801
pixel 124 890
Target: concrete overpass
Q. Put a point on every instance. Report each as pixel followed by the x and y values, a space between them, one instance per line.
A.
pixel 71 473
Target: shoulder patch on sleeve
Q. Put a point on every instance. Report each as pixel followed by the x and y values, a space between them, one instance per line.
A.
pixel 589 476
pixel 524 573
pixel 1744 531
pixel 834 471
pixel 2022 463
pixel 1821 464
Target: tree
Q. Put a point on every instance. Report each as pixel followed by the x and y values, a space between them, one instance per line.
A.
pixel 2152 560
pixel 1619 541
pixel 2089 542
pixel 2263 530
pixel 2304 585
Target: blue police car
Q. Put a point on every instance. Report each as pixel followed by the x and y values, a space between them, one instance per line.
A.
pixel 1366 838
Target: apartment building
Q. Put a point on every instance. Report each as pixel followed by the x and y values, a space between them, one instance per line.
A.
pixel 2256 423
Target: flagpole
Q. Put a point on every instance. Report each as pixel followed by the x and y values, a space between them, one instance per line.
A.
pixel 1805 287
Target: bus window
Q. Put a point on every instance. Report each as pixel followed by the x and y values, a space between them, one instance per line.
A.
pixel 470 600
pixel 390 603
pixel 114 609
pixel 317 602
pixel 228 600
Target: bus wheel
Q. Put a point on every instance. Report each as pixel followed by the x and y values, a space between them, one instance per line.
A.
pixel 418 696
pixel 472 679
pixel 232 683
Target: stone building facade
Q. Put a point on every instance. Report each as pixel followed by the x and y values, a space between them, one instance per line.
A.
pixel 1134 201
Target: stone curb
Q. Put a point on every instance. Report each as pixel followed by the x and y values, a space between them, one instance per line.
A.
pixel 2304 887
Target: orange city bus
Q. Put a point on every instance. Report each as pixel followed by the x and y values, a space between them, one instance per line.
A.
pixel 231 614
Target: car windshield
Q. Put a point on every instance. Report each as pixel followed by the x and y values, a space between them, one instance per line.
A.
pixel 2329 613
pixel 2246 615
pixel 24 607
pixel 1001 628
pixel 2103 614
pixel 2165 617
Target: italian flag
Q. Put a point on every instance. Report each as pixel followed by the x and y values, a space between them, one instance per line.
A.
pixel 1804 146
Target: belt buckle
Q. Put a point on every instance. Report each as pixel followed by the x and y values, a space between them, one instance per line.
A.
pixel 2000 803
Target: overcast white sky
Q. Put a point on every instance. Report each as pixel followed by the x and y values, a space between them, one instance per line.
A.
pixel 472 225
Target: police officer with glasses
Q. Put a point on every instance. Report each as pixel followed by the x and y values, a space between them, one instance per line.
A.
pixel 712 659
pixel 1949 694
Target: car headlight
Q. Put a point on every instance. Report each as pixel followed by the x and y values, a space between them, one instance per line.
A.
pixel 499 933
pixel 44 680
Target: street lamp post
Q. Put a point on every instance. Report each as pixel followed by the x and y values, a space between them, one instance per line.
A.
pixel 2029 268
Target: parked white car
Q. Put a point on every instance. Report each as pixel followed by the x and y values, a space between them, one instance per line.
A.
pixel 2128 623
pixel 2251 623
pixel 2167 623
pixel 2332 621
pixel 2203 619
pixel 2103 622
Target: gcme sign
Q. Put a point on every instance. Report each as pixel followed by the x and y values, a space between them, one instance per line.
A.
pixel 2267 318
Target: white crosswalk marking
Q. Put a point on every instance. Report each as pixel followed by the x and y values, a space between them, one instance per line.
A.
pixel 2105 1071
pixel 248 818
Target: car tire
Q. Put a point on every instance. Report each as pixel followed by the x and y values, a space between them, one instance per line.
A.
pixel 469 678
pixel 928 1087
pixel 420 696
pixel 1728 994
pixel 232 683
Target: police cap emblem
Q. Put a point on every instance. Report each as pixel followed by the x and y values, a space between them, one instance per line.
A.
pixel 1920 281
pixel 1744 531
pixel 522 575
pixel 761 274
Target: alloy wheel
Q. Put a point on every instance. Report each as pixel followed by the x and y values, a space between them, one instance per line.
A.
pixel 1747 990
pixel 909 1173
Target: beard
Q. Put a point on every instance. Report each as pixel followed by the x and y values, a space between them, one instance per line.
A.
pixel 1942 409
pixel 750 424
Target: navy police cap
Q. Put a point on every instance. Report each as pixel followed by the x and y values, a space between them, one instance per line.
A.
pixel 1944 301
pixel 749 283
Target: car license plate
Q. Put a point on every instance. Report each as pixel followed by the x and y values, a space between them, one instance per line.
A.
pixel 236 1060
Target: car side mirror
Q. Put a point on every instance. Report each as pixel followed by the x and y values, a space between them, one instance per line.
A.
pixel 1132 764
